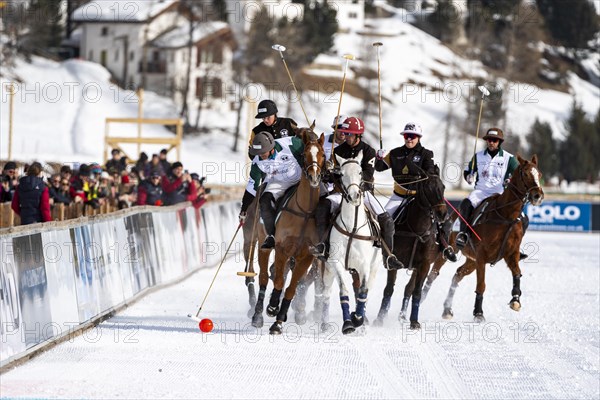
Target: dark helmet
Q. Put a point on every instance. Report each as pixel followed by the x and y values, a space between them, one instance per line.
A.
pixel 494 133
pixel 352 125
pixel 266 108
pixel 262 143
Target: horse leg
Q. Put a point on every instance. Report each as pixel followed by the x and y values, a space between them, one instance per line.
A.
pixel 432 276
pixel 299 271
pixel 299 302
pixel 328 278
pixel 421 274
pixel 319 290
pixel 513 264
pixel 387 297
pixel 263 281
pixel 461 272
pixel 479 290
pixel 408 290
pixel 278 282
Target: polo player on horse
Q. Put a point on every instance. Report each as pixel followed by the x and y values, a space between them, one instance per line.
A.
pixel 408 164
pixel 353 128
pixel 278 163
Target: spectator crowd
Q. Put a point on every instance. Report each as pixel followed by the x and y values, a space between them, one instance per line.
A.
pixel 153 181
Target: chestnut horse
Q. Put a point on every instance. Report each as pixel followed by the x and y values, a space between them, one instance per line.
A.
pixel 501 231
pixel 415 244
pixel 296 230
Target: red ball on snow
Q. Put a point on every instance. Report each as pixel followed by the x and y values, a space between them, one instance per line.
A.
pixel 206 325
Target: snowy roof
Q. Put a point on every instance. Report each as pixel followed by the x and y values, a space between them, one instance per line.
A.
pixel 121 10
pixel 179 36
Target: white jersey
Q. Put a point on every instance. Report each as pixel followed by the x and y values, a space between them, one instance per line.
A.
pixel 491 173
pixel 327 145
pixel 281 168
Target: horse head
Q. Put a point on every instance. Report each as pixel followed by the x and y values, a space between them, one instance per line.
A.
pixel 526 181
pixel 314 155
pixel 430 195
pixel 351 174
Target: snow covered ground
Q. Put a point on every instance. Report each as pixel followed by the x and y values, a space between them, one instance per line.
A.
pixel 549 350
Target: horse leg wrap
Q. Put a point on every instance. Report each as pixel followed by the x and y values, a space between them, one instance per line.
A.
pixel 361 301
pixel 285 306
pixel 478 310
pixel 273 307
pixel 414 309
pixel 345 303
pixel 516 290
pixel 405 301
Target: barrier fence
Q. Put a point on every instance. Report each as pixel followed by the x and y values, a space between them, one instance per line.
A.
pixel 58 277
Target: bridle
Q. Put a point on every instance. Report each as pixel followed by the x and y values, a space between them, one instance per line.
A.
pixel 345 189
pixel 523 194
pixel 314 164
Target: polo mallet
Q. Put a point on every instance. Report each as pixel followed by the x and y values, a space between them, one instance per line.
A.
pixel 245 272
pixel 377 45
pixel 281 49
pixel 461 217
pixel 216 273
pixel 347 57
pixel 484 92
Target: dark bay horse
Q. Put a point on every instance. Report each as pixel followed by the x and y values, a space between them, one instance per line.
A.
pixel 501 231
pixel 415 244
pixel 296 230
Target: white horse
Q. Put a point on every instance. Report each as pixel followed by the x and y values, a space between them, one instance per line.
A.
pixel 352 250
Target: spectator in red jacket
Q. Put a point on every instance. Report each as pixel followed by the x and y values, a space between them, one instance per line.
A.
pixel 32 199
pixel 178 186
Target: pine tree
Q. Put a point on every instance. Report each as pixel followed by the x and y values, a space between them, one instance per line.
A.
pixel 572 23
pixel 45 29
pixel 578 152
pixel 542 143
pixel 445 21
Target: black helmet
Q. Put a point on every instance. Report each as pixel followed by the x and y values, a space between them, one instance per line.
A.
pixel 262 143
pixel 266 108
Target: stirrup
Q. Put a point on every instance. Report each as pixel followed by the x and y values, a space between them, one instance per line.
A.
pixel 269 242
pixel 449 254
pixel 392 263
pixel 461 239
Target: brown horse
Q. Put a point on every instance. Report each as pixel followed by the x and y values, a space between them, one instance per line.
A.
pixel 415 244
pixel 500 228
pixel 295 231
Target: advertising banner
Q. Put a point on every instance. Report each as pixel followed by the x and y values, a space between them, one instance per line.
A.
pixel 10 305
pixel 560 216
pixel 32 284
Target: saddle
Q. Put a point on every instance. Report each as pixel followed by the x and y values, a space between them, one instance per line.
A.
pixel 283 201
pixel 400 213
pixel 478 215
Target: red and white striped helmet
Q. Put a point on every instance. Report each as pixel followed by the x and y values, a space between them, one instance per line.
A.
pixel 352 125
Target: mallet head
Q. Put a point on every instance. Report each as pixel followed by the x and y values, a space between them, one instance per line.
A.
pixel 377 44
pixel 483 90
pixel 278 47
pixel 349 57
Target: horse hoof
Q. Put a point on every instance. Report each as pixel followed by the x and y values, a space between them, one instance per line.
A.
pixel 258 321
pixel 447 314
pixel 515 305
pixel 479 318
pixel 272 311
pixel 357 320
pixel 300 317
pixel 276 328
pixel 326 327
pixel 347 328
pixel 402 316
pixel 415 325
pixel 378 323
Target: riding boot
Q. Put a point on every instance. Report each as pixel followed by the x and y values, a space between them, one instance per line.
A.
pixel 447 250
pixel 322 220
pixel 466 210
pixel 387 235
pixel 268 215
pixel 525 222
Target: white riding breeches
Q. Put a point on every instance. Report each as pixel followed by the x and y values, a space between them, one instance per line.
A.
pixel 278 188
pixel 393 203
pixel 478 195
pixel 370 201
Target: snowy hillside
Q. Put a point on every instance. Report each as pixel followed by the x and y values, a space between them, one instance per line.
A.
pixel 60 107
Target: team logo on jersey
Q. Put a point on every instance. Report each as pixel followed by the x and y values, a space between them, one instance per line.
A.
pixel 284 158
pixel 283 132
pixel 417 158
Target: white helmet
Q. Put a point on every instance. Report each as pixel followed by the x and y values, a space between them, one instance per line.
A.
pixel 413 128
pixel 338 121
